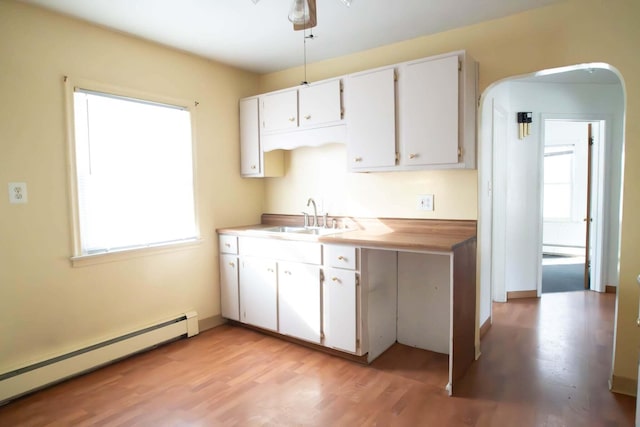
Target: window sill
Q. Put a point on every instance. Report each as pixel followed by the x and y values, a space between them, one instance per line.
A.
pixel 105 257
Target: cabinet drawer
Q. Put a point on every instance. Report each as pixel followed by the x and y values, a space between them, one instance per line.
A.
pixel 340 256
pixel 281 250
pixel 228 244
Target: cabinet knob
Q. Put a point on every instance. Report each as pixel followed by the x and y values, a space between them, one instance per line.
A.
pixel 341 258
pixel 292 119
pixel 228 245
pixel 307 117
pixel 253 166
pixel 287 272
pixel 413 155
pixel 335 279
pixel 270 270
pixel 358 159
pixel 232 264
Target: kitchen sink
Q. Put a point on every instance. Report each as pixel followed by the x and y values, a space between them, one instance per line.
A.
pixel 317 231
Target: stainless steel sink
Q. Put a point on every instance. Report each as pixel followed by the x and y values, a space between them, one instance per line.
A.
pixel 318 231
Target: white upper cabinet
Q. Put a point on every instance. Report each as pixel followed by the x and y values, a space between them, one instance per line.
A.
pixel 425 119
pixel 254 162
pixel 428 104
pixel 280 110
pixel 249 138
pixel 371 118
pixel 320 103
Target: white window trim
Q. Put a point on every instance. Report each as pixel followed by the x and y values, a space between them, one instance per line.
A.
pixel 78 259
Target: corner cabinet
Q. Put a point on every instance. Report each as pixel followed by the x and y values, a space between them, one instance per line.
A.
pixel 254 162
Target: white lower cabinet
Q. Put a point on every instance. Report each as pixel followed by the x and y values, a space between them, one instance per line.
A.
pixel 339 299
pixel 299 300
pixel 229 298
pixel 259 292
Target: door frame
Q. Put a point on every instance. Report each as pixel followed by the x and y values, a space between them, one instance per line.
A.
pixel 598 211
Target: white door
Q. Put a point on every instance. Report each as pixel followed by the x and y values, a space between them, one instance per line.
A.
pixel 371 119
pixel 428 97
pixel 339 308
pixel 259 293
pixel 229 291
pixel 299 300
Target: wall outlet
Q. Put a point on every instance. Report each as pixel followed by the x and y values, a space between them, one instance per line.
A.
pixel 17 192
pixel 425 202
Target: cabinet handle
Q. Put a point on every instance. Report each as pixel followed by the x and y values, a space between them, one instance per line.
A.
pixel 413 155
pixel 341 258
pixel 287 272
pixel 253 166
pixel 270 270
pixel 228 245
pixel 335 279
pixel 292 119
pixel 232 265
pixel 307 117
pixel 358 159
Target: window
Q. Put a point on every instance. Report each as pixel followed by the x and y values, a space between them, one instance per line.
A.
pixel 558 189
pixel 134 172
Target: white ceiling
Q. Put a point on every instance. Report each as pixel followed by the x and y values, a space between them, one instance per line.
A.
pixel 258 37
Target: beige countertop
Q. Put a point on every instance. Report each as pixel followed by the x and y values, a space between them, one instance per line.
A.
pixel 433 239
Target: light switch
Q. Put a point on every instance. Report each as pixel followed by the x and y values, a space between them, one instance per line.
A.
pixel 425 202
pixel 17 192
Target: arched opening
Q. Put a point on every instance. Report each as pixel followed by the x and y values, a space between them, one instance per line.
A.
pixel 511 182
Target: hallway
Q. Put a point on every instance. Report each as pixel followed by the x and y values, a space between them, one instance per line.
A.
pixel 547 361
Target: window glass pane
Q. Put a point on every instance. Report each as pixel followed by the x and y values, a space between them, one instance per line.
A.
pixel 557 201
pixel 135 176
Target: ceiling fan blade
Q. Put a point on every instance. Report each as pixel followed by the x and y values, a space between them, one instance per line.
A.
pixel 313 19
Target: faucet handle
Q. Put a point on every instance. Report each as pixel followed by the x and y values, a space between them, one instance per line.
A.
pixel 306 219
pixel 325 221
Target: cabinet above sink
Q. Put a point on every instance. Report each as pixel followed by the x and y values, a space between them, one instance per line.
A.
pixel 306 116
pixel 415 115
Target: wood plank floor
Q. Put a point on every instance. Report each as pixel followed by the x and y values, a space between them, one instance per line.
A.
pixel 545 362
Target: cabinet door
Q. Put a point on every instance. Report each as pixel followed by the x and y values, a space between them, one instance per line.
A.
pixel 320 103
pixel 280 110
pixel 258 293
pixel 299 300
pixel 229 293
pixel 249 138
pixel 340 309
pixel 428 112
pixel 371 118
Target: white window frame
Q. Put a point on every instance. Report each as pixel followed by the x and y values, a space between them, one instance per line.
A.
pixel 78 259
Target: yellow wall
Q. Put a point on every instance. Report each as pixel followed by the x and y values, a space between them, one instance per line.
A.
pixel 572 32
pixel 47 306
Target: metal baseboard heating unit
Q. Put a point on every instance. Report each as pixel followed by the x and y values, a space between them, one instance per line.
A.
pixel 29 378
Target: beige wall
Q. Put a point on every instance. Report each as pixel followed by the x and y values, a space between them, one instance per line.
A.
pixel 47 306
pixel 573 32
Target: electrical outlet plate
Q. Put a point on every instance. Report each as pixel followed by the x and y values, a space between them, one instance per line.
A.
pixel 425 202
pixel 17 192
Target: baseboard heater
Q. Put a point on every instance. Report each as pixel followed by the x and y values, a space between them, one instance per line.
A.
pixel 35 376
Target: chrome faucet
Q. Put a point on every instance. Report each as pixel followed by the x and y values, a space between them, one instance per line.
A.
pixel 315 212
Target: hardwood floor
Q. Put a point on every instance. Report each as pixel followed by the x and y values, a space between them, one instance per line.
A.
pixel 544 362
